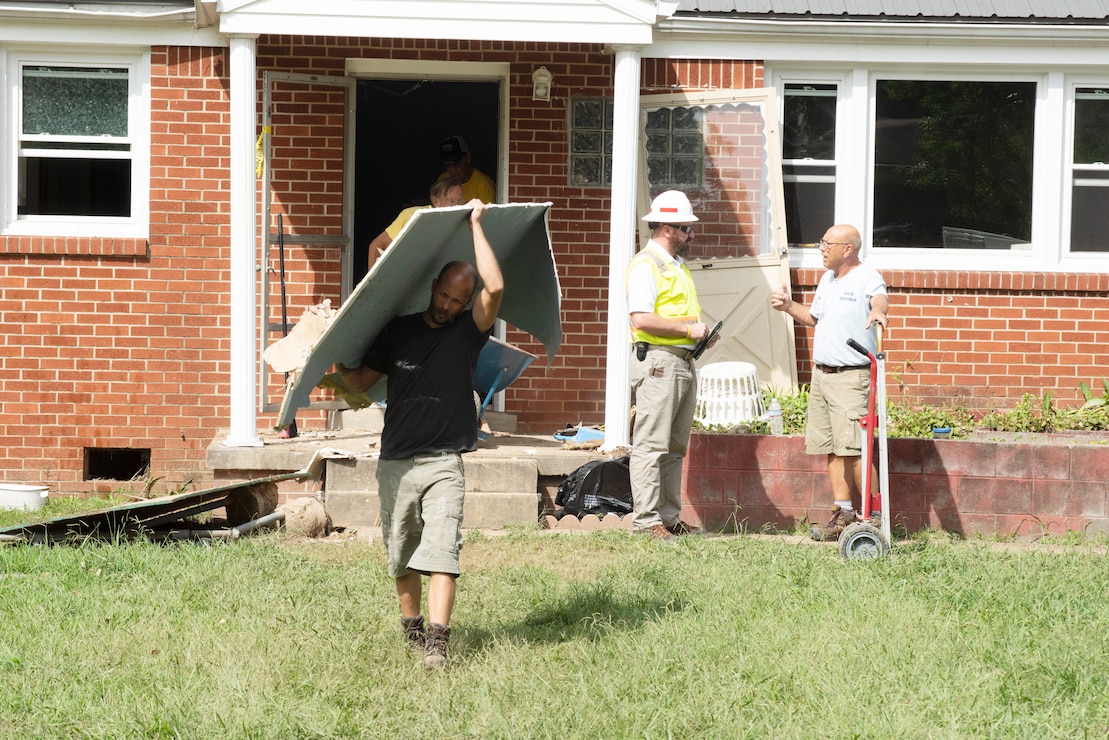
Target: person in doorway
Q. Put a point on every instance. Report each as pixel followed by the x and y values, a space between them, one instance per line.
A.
pixel 444 192
pixel 429 359
pixel 849 303
pixel 455 155
pixel 666 325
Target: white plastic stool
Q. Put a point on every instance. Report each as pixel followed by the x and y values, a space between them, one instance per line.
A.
pixel 728 393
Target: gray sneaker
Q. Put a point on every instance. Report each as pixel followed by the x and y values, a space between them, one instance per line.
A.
pixel 831 531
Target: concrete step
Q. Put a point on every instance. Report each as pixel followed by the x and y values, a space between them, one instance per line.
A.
pixel 498 492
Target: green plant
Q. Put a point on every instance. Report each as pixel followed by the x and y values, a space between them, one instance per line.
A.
pixel 918 421
pixel 1026 416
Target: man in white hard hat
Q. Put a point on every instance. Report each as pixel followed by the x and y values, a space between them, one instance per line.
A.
pixel 666 325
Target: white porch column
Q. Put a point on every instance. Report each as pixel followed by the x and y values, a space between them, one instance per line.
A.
pixel 244 115
pixel 622 242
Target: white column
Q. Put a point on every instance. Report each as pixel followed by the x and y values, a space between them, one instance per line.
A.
pixel 622 242
pixel 244 335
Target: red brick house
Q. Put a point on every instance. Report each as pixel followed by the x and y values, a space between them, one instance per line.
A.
pixel 138 284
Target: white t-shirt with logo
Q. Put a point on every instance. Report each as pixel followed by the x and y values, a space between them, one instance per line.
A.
pixel 840 308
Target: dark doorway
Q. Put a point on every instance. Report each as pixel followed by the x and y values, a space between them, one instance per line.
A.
pixel 399 126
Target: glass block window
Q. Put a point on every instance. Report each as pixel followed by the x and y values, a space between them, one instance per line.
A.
pixel 1089 225
pixel 75 151
pixel 809 160
pixel 591 141
pixel 675 145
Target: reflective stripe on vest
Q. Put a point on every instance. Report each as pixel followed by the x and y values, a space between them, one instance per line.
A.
pixel 676 299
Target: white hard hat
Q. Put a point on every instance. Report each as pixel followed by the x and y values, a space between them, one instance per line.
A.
pixel 670 207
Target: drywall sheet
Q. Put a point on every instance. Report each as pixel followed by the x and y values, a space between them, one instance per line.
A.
pixel 400 283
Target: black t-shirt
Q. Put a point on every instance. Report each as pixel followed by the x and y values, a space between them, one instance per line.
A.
pixel 430 385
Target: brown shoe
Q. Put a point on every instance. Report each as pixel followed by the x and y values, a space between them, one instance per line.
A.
pixel 831 531
pixel 415 636
pixel 435 651
pixel 679 528
pixel 658 532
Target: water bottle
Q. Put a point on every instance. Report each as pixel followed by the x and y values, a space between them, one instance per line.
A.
pixel 775 412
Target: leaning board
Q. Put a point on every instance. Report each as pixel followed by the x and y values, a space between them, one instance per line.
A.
pixel 400 283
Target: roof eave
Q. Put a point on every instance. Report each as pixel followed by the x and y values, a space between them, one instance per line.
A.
pixel 796 29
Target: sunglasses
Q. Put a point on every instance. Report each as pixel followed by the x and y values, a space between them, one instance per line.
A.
pixel 684 229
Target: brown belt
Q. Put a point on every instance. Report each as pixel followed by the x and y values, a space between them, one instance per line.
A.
pixel 840 369
pixel 685 354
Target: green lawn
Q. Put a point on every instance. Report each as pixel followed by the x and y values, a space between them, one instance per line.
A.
pixel 563 636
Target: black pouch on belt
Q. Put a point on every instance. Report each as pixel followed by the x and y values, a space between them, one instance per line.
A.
pixel 641 351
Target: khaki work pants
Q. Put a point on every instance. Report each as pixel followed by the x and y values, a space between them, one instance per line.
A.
pixel 664 391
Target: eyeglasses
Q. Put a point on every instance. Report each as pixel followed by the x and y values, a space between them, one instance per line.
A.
pixel 825 244
pixel 683 229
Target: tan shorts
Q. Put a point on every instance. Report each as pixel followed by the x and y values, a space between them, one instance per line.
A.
pixel 836 403
pixel 421 512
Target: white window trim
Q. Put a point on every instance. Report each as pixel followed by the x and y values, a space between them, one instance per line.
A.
pixel 138 126
pixel 1051 165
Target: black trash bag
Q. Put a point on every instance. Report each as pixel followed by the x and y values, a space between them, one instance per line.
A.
pixel 599 487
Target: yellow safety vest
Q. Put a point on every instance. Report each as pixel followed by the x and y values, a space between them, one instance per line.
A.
pixel 677 296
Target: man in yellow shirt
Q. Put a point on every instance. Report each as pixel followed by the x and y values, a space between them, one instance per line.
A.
pixel 456 164
pixel 444 192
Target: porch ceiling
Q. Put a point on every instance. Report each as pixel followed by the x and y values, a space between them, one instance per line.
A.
pixel 582 21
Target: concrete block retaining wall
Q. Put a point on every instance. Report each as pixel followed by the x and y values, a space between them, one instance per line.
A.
pixel 971 487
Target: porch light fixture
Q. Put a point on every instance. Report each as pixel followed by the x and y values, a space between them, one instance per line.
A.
pixel 541 84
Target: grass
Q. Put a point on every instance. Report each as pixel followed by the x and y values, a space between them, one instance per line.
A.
pixel 557 636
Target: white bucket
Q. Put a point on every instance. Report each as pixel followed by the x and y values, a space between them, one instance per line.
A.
pixel 22 496
pixel 728 393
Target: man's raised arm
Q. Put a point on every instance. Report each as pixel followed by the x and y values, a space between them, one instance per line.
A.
pixel 488 301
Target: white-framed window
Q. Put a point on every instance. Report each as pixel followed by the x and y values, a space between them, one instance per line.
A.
pixel 1088 223
pixel 809 159
pixel 78 137
pixel 951 168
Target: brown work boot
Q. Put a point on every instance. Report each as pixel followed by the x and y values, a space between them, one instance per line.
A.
pixel 658 532
pixel 831 531
pixel 415 636
pixel 679 528
pixel 435 652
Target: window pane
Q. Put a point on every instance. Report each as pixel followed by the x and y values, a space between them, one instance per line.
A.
pixel 587 114
pixel 74 101
pixel 585 170
pixel 75 187
pixel 810 210
pixel 586 141
pixel 953 163
pixel 809 136
pixel 1091 126
pixel 1089 230
pixel 658 119
pixel 809 125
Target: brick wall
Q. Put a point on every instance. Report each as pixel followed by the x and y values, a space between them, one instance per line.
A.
pixel 970 487
pixel 123 343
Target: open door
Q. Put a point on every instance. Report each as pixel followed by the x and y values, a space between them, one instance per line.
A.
pixel 307 150
pixel 722 149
